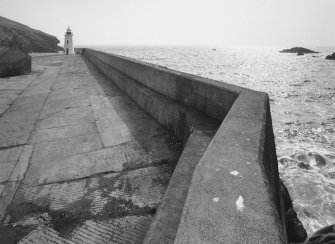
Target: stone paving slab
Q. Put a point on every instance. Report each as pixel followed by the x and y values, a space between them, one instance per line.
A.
pixel 67 100
pixel 64 121
pixel 21 167
pixel 108 198
pixel 128 229
pixel 114 159
pixel 7 194
pixel 9 84
pixel 8 161
pixel 13 135
pixel 10 93
pixel 51 134
pixel 6 101
pixel 37 87
pixel 10 154
pixel 70 111
pixel 22 108
pixel 61 148
pixel 6 170
pixel 80 162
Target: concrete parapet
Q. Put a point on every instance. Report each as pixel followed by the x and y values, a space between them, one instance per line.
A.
pixel 225 188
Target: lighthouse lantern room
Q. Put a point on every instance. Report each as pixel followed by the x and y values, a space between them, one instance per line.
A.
pixel 68 42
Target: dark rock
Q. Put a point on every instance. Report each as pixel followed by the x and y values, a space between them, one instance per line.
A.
pixel 294 228
pixel 331 57
pixel 325 235
pixel 320 160
pixel 299 54
pixel 297 50
pixel 303 165
pixel 13 62
pixel 25 38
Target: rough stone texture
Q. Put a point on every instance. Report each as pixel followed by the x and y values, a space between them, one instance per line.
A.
pixel 331 57
pixel 73 208
pixel 8 159
pixel 297 50
pixel 13 62
pixel 79 161
pixel 26 38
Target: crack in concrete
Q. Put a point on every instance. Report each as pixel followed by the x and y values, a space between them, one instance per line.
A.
pixel 29 159
pixel 20 93
pixel 161 162
pixel 39 114
pixel 67 208
pixel 95 122
pixel 66 108
pixel 9 147
pixel 64 138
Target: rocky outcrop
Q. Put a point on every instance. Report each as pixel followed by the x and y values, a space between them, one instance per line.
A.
pixel 13 62
pixel 295 230
pixel 25 38
pixel 331 57
pixel 297 50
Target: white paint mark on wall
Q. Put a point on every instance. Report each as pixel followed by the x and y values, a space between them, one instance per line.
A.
pixel 234 173
pixel 216 199
pixel 239 203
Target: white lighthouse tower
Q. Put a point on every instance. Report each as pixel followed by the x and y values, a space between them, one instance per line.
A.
pixel 68 42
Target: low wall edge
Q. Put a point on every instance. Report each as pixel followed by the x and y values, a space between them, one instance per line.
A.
pixel 244 143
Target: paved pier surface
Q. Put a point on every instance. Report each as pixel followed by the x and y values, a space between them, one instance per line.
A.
pixel 79 161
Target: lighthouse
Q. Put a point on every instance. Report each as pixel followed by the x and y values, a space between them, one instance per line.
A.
pixel 68 41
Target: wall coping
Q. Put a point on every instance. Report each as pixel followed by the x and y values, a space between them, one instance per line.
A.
pixel 221 205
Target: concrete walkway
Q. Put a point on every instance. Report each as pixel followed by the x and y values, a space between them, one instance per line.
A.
pixel 79 161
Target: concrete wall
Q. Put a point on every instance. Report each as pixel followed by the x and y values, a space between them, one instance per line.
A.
pixel 226 130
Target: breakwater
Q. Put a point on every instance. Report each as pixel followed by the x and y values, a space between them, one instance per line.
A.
pixel 226 185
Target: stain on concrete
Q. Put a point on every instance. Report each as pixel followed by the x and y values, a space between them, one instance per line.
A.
pixel 129 193
pixel 74 178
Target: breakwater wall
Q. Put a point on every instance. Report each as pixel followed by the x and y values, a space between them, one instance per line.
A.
pixel 225 188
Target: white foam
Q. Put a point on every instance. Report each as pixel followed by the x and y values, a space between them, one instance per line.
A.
pixel 216 199
pixel 239 203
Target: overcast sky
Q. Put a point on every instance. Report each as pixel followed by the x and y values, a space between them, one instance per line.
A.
pixel 181 22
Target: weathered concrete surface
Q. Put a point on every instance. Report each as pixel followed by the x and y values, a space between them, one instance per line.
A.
pixel 79 161
pixel 194 91
pixel 84 163
pixel 164 226
pixel 234 195
pixel 205 95
pixel 180 119
pixel 229 200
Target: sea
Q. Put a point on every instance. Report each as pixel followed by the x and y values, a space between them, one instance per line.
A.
pixel 302 99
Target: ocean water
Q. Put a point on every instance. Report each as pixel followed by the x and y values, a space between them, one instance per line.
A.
pixel 302 93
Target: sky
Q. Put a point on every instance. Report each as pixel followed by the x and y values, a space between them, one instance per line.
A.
pixel 181 22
